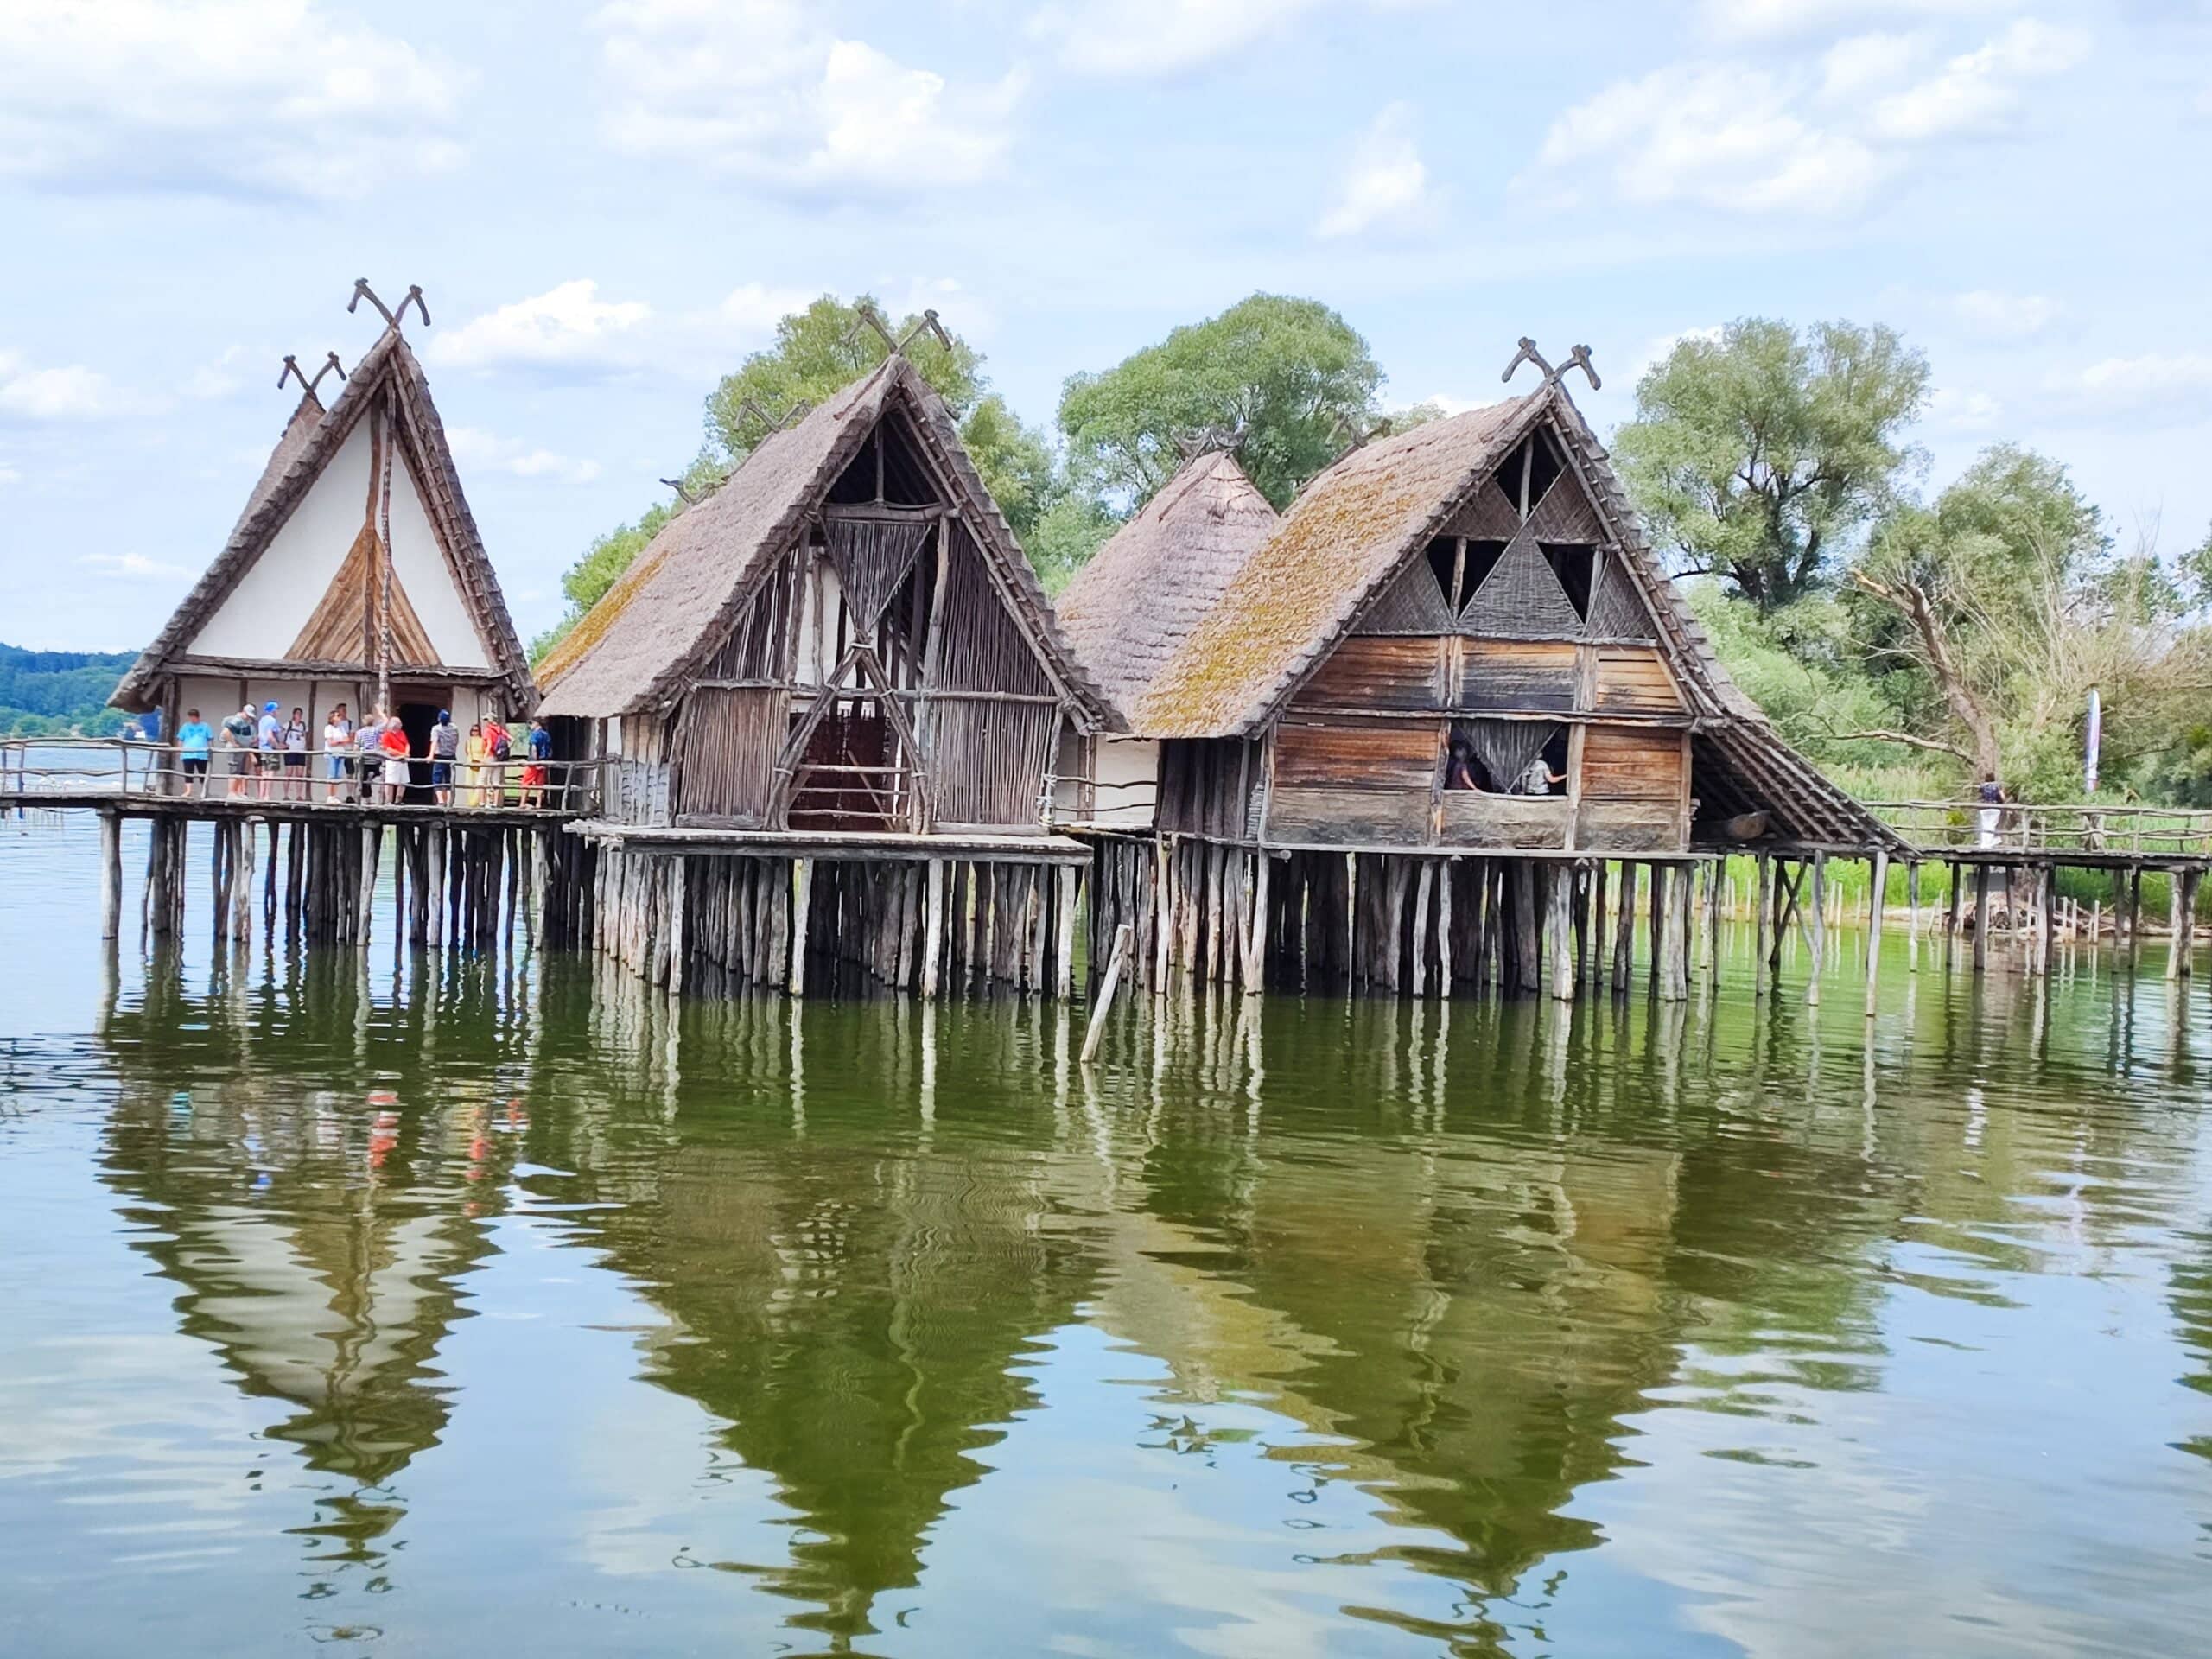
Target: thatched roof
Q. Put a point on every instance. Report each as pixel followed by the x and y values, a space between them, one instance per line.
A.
pixel 1345 536
pixel 1128 610
pixel 1354 528
pixel 651 632
pixel 312 438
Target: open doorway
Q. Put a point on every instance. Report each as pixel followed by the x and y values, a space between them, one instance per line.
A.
pixel 416 717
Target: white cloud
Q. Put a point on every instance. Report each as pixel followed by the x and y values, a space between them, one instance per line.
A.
pixel 1657 351
pixel 10 475
pixel 750 312
pixel 567 327
pixel 761 89
pixel 1815 137
pixel 475 447
pixel 1951 409
pixel 1779 19
pixel 1141 38
pixel 1996 315
pixel 2177 385
pixel 36 397
pixel 226 97
pixel 216 379
pixel 1386 185
pixel 132 564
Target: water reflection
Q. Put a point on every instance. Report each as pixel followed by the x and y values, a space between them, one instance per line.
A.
pixel 1316 1325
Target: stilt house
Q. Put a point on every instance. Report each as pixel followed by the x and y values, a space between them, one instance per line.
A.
pixel 840 655
pixel 1457 641
pixel 355 561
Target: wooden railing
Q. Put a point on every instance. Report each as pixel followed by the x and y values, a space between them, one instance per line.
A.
pixel 39 770
pixel 2146 832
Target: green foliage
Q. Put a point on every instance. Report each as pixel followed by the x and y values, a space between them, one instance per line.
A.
pixel 1016 463
pixel 59 693
pixel 1073 528
pixel 1758 456
pixel 1291 375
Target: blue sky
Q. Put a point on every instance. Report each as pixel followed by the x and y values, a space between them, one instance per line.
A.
pixel 609 204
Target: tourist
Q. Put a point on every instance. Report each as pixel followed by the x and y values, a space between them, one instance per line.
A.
pixel 269 733
pixel 445 748
pixel 535 771
pixel 1461 768
pixel 1991 793
pixel 193 739
pixel 497 747
pixel 238 750
pixel 1537 777
pixel 392 741
pixel 337 748
pixel 296 756
pixel 473 795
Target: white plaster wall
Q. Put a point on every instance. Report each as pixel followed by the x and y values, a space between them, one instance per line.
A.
pixel 817 630
pixel 1126 785
pixel 272 602
pixel 429 584
pixel 264 612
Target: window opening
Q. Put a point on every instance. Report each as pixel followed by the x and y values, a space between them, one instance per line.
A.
pixel 1575 567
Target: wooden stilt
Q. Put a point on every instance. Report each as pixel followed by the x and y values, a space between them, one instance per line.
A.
pixel 1762 921
pixel 110 875
pixel 802 894
pixel 1981 919
pixel 1656 976
pixel 1563 932
pixel 1624 932
pixel 2176 947
pixel 1880 877
pixel 1255 955
pixel 1064 929
pixel 1912 916
pixel 2186 934
pixel 1817 913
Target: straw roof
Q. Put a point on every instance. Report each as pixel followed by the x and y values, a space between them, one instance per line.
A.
pixel 649 633
pixel 311 439
pixel 1353 529
pixel 1345 536
pixel 1128 610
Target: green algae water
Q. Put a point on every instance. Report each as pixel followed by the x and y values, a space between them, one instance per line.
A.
pixel 379 1303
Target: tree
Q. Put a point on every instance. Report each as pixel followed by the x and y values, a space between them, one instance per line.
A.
pixel 818 353
pixel 1756 457
pixel 2010 607
pixel 1291 376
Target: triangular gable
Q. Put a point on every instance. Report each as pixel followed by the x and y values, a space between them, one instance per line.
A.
pixel 1413 604
pixel 387 381
pixel 340 629
pixel 1617 610
pixel 873 556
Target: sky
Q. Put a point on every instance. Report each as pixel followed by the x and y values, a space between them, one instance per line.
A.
pixel 607 205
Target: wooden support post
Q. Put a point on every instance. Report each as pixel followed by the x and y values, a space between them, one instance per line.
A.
pixel 802 891
pixel 1656 976
pixel 110 875
pixel 679 882
pixel 2046 916
pixel 1597 923
pixel 2175 947
pixel 1880 876
pixel 1680 929
pixel 1064 933
pixel 1763 922
pixel 1443 955
pixel 2187 935
pixel 1624 932
pixel 1561 929
pixel 1715 875
pixel 1981 919
pixel 1912 916
pixel 1421 890
pixel 1255 953
pixel 933 930
pixel 1527 923
pixel 1106 989
pixel 1817 909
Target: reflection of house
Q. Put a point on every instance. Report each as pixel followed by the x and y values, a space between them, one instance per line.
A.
pixel 356 555
pixel 840 657
pixel 1456 643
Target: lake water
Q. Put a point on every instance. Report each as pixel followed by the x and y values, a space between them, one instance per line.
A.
pixel 371 1304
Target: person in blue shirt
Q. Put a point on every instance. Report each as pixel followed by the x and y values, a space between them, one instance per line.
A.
pixel 535 772
pixel 271 744
pixel 194 740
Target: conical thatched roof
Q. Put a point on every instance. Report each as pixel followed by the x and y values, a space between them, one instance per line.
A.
pixel 1129 611
pixel 649 633
pixel 312 439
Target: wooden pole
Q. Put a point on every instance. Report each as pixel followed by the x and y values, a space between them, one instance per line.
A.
pixel 1562 931
pixel 2188 931
pixel 933 930
pixel 1817 921
pixel 1255 955
pixel 2175 948
pixel 1762 921
pixel 110 875
pixel 1624 932
pixel 1981 919
pixel 2046 918
pixel 1106 989
pixel 1912 916
pixel 1881 881
pixel 1064 944
pixel 802 890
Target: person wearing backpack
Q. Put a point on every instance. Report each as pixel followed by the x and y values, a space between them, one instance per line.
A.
pixel 497 747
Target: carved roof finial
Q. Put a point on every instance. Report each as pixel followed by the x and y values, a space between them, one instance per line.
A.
pixel 1577 359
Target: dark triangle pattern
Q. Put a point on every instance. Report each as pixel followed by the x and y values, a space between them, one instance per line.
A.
pixel 340 630
pixel 873 556
pixel 1411 604
pixel 1521 597
pixel 1617 610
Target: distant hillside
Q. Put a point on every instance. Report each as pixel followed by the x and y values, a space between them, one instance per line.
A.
pixel 54 693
